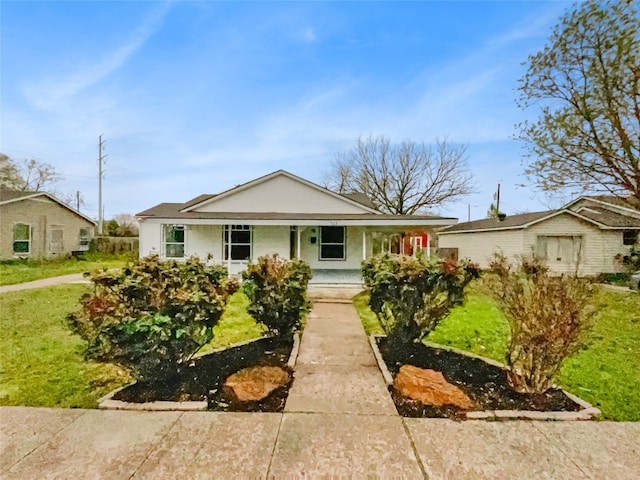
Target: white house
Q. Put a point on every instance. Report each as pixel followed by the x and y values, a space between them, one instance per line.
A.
pixel 285 214
pixel 590 235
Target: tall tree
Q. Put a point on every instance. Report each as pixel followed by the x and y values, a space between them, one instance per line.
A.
pixel 402 178
pixel 27 175
pixel 585 84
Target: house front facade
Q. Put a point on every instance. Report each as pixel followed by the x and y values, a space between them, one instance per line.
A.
pixel 38 225
pixel 590 235
pixel 284 214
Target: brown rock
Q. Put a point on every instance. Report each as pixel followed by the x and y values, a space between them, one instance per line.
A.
pixel 429 387
pixel 255 383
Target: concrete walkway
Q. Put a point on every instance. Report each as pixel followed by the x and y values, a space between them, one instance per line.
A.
pixel 45 282
pixel 338 423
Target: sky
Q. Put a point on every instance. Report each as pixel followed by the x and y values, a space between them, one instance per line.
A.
pixel 195 97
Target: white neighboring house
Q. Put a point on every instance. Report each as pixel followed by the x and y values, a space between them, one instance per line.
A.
pixel 589 235
pixel 285 214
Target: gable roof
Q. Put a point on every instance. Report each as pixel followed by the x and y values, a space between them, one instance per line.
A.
pixel 600 217
pixel 623 203
pixel 202 200
pixel 509 223
pixel 8 196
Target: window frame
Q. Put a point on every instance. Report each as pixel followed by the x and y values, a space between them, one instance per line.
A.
pixel 342 244
pixel 167 227
pixel 228 243
pixel 576 241
pixel 625 237
pixel 28 240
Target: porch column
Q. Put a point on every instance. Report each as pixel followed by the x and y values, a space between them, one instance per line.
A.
pixel 298 242
pixel 428 245
pixel 364 244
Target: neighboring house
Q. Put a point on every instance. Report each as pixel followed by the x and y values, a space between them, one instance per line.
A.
pixel 38 225
pixel 285 214
pixel 590 235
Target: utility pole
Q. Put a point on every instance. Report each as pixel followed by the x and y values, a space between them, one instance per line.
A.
pixel 78 200
pixel 100 177
pixel 498 200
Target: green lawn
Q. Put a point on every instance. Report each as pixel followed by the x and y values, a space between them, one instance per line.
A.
pixel 606 372
pixel 43 364
pixel 19 271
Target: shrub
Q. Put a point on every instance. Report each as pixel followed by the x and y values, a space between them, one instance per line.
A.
pixel 412 295
pixel 277 291
pixel 152 316
pixel 547 315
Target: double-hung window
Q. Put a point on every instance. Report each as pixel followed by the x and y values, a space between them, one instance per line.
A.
pixel 237 242
pixel 332 243
pixel 174 241
pixel 21 238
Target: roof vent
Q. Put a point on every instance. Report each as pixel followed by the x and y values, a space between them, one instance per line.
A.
pixel 501 216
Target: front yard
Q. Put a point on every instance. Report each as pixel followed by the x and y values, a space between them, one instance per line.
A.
pixel 605 373
pixel 43 363
pixel 20 271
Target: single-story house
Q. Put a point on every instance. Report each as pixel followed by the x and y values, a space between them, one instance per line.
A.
pixel 38 225
pixel 589 235
pixel 285 214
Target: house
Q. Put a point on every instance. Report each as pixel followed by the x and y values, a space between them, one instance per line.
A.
pixel 589 235
pixel 285 214
pixel 38 225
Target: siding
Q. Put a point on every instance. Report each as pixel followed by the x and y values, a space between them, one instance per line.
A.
pixel 284 195
pixel 479 247
pixel 42 214
pixel 599 247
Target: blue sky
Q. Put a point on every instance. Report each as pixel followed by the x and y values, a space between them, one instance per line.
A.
pixel 195 97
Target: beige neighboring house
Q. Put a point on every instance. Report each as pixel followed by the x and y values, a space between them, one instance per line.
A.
pixel 589 235
pixel 285 214
pixel 38 225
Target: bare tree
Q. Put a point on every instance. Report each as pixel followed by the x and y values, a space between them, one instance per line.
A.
pixel 127 225
pixel 402 178
pixel 27 175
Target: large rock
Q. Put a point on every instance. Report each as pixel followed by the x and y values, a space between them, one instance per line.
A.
pixel 255 383
pixel 429 387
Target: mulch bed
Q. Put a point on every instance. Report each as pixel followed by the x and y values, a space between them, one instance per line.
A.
pixel 203 378
pixel 484 383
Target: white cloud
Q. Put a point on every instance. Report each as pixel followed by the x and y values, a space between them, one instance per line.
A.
pixel 54 93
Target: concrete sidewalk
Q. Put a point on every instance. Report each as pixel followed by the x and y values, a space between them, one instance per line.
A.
pixel 45 282
pixel 338 422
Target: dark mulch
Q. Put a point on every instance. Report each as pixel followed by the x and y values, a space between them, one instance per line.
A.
pixel 484 383
pixel 203 378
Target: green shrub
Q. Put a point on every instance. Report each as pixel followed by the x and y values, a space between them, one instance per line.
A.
pixel 547 315
pixel 152 316
pixel 412 295
pixel 277 291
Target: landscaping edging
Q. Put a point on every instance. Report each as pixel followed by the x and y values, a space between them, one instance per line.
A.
pixel 108 403
pixel 588 411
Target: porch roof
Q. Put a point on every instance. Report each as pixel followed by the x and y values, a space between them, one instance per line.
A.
pixel 171 213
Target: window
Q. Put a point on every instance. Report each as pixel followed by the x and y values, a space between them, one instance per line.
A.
pixel 174 241
pixel 237 242
pixel 629 237
pixel 21 238
pixel 566 249
pixel 332 240
pixel 84 240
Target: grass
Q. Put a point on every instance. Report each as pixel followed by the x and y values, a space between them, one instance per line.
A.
pixel 19 271
pixel 235 326
pixel 43 363
pixel 606 372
